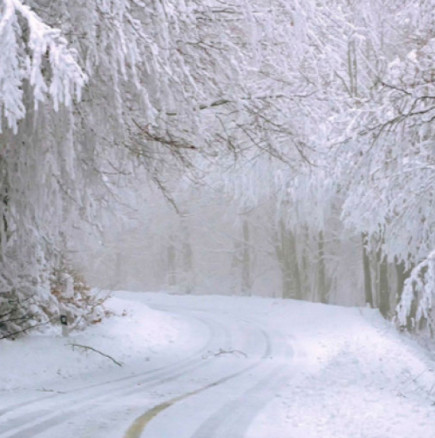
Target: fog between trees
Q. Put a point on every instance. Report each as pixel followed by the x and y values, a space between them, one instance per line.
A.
pixel 276 148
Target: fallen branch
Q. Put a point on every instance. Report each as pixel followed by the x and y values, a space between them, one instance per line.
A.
pixel 87 347
pixel 51 390
pixel 235 352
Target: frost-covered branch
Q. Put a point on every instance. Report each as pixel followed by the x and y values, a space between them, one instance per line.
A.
pixel 415 309
pixel 32 52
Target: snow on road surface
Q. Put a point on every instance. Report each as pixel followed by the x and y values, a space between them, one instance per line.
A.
pixel 219 367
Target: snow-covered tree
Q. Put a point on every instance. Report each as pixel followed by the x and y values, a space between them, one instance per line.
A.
pixel 326 106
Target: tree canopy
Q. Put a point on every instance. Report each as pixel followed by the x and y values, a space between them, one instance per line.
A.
pixel 311 121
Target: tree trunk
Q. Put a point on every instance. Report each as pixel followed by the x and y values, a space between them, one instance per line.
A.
pixel 322 286
pixel 187 260
pixel 246 259
pixel 285 248
pixel 172 267
pixel 402 274
pixel 384 296
pixel 367 273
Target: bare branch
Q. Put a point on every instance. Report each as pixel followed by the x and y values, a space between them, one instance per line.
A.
pixel 87 347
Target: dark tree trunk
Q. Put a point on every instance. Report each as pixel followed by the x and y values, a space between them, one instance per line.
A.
pixel 402 274
pixel 172 273
pixel 322 281
pixel 384 293
pixel 246 259
pixel 187 260
pixel 367 273
pixel 285 248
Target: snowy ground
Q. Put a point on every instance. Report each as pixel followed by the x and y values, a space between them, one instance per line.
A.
pixel 219 367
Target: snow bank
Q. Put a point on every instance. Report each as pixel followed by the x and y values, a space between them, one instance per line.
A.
pixel 354 376
pixel 133 335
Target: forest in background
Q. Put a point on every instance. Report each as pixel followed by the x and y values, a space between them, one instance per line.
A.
pixel 280 148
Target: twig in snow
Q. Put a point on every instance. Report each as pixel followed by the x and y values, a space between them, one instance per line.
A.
pixel 51 390
pixel 87 347
pixel 236 352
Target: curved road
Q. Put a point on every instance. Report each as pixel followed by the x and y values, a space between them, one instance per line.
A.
pixel 215 391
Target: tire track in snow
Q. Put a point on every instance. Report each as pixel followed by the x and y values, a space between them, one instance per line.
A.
pixel 211 338
pixel 234 418
pixel 139 425
pixel 218 334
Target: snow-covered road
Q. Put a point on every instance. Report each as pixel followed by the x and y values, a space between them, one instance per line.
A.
pixel 219 367
pixel 239 370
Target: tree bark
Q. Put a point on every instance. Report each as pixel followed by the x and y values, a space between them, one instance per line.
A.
pixel 384 295
pixel 187 257
pixel 285 248
pixel 246 259
pixel 367 273
pixel 323 289
pixel 172 267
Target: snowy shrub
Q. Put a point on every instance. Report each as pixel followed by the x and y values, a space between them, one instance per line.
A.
pixel 19 315
pixel 27 310
pixel 75 300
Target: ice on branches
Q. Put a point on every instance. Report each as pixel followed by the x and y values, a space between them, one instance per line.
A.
pixel 33 52
pixel 415 308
